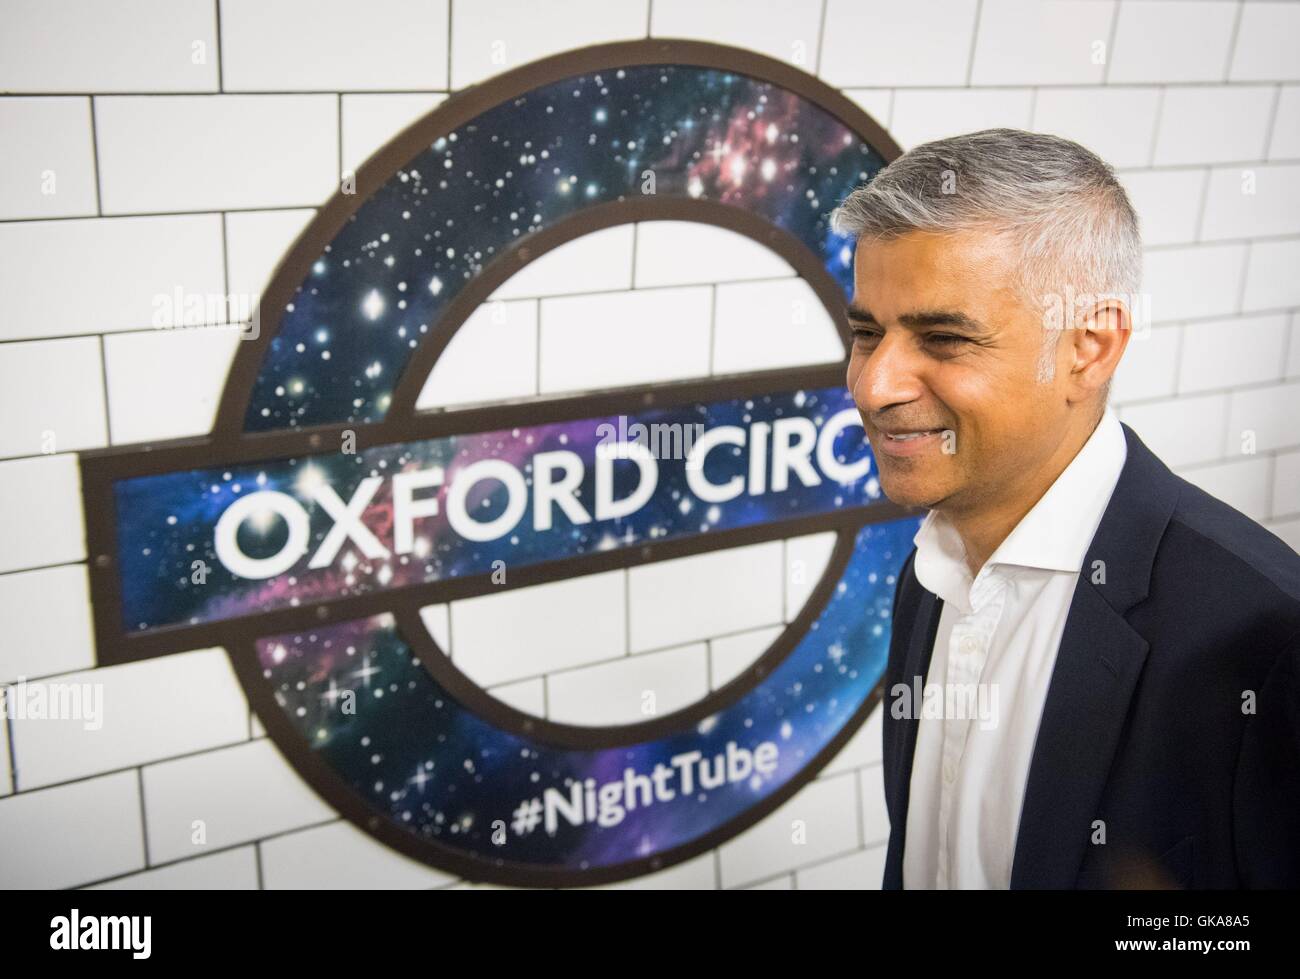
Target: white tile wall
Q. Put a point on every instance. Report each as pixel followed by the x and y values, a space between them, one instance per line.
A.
pixel 59 640
pixel 51 172
pixel 239 151
pixel 309 45
pixel 72 834
pixel 339 856
pixel 89 46
pixel 150 710
pixel 185 164
pixel 41 418
pixel 126 271
pixel 216 799
pixel 229 870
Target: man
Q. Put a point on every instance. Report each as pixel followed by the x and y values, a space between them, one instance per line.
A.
pixel 1137 640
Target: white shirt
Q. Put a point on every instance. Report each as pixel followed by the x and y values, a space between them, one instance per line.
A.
pixel 993 657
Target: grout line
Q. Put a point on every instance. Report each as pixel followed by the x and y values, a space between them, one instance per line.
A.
pixel 974 38
pixel 1271 127
pixel 221 80
pixel 94 152
pixel 450 21
pixel 257 861
pixel 649 18
pixel 1199 228
pixel 1110 44
pixel 144 819
pixel 821 39
pixel 13 757
pixel 1232 41
pixel 103 381
pixel 1155 127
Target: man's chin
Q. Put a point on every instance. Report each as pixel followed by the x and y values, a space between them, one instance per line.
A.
pixel 911 492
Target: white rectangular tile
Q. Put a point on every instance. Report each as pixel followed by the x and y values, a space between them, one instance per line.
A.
pixel 52 394
pixel 631 690
pixel 130 715
pixel 71 834
pixel 617 339
pixel 786 31
pixel 220 798
pixel 90 46
pixel 127 270
pixel 596 262
pixel 1149 367
pixel 1028 42
pixel 858 871
pixel 768 325
pixel 529 631
pixel 48 167
pixel 1167 202
pixel 1240 114
pixel 492 357
pixel 1267 413
pixel 239 151
pixel 874 42
pixel 1285 141
pixel 1267 36
pixel 47 622
pixel 167 383
pixel 40 512
pixel 492 36
pixel 1225 353
pixel 819 822
pixel 1115 123
pixel 921 115
pixel 705 595
pixel 1183 431
pixel 1168 42
pixel 1197 281
pixel 229 870
pixel 1252 202
pixel 729 656
pixel 371 120
pixel 256 241
pixel 307 45
pixel 356 862
pixel 1271 280
pixel 678 253
pixel 1286 484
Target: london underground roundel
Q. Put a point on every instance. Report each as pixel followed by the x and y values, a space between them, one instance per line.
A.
pixel 306 533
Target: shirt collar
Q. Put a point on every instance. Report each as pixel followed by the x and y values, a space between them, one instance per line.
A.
pixel 1054 535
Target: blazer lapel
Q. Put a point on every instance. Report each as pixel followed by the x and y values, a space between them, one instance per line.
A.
pixel 916 663
pixel 1097 667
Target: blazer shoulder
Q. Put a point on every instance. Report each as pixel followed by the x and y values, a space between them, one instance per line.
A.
pixel 1212 533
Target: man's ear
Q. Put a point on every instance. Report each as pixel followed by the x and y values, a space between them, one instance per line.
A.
pixel 1096 345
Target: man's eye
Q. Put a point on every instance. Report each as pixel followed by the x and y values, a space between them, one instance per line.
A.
pixel 866 336
pixel 945 339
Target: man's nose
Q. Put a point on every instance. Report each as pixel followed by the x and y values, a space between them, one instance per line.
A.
pixel 890 375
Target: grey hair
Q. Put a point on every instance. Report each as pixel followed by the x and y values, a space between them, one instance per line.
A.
pixel 1059 204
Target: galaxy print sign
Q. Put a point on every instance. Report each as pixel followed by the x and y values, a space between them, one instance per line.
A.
pixel 325 512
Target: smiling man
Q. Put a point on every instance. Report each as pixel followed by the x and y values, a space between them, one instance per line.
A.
pixel 1140 639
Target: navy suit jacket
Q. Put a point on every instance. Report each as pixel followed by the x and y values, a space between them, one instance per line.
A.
pixel 1173 710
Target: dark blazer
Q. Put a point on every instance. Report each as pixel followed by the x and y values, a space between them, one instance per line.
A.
pixel 1147 724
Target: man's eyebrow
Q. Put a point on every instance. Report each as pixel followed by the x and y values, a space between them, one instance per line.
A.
pixel 920 318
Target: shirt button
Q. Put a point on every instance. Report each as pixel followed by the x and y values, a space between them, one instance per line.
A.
pixel 970 644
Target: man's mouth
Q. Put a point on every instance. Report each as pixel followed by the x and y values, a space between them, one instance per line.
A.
pixel 907 442
pixel 908 436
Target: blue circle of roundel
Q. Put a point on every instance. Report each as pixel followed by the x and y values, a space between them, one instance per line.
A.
pixel 382 283
pixel 433 775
